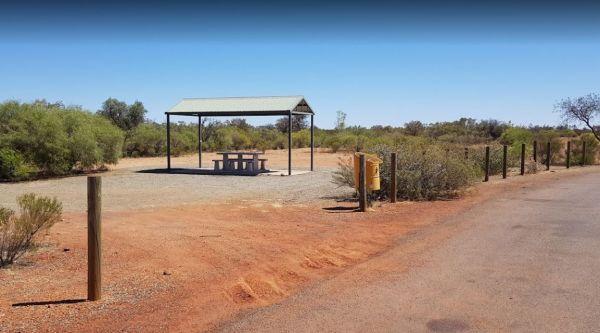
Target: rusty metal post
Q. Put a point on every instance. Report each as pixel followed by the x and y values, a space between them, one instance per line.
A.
pixel 504 162
pixel 393 180
pixel 487 163
pixel 522 159
pixel 362 184
pixel 94 196
pixel 548 156
pixel 568 154
pixel 535 151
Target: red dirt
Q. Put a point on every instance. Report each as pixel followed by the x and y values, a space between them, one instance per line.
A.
pixel 189 268
pixel 277 159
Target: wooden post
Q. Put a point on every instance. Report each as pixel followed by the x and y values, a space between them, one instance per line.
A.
pixel 568 154
pixel 94 196
pixel 522 159
pixel 548 156
pixel 168 141
pixel 504 157
pixel 200 142
pixel 466 153
pixel 393 181
pixel 487 163
pixel 362 184
pixel 583 154
pixel 535 151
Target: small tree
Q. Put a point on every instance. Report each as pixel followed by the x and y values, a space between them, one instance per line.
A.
pixel 340 120
pixel 126 117
pixel 414 128
pixel 581 109
pixel 18 234
pixel 298 123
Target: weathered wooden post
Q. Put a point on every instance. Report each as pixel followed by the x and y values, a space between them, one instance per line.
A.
pixel 393 164
pixel 522 159
pixel 568 154
pixel 94 196
pixel 487 163
pixel 548 156
pixel 504 156
pixel 535 151
pixel 583 154
pixel 362 184
pixel 466 153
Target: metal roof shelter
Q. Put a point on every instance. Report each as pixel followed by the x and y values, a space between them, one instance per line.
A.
pixel 242 106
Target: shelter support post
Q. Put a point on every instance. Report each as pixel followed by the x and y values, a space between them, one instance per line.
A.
pixel 290 144
pixel 312 142
pixel 199 141
pixel 168 142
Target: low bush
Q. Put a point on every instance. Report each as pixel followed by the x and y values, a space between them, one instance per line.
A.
pixel 13 166
pixel 18 234
pixel 425 171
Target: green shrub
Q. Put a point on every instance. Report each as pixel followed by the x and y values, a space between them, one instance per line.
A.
pixel 18 233
pixel 13 166
pixel 425 171
pixel 56 140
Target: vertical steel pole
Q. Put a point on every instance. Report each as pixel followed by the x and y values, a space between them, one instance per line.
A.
pixel 522 159
pixel 535 151
pixel 487 164
pixel 504 157
pixel 290 144
pixel 548 156
pixel 312 142
pixel 583 154
pixel 362 184
pixel 168 141
pixel 199 141
pixel 568 154
pixel 393 181
pixel 94 196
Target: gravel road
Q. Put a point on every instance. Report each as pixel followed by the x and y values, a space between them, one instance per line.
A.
pixel 128 189
pixel 528 261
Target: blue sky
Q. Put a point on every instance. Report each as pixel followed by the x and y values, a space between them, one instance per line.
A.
pixel 379 64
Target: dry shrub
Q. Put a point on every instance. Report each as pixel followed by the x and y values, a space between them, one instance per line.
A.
pixel 18 233
pixel 425 171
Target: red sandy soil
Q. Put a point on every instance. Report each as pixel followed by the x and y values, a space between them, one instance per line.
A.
pixel 190 268
pixel 277 159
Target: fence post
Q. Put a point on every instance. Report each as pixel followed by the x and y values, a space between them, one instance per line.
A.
pixel 568 154
pixel 504 156
pixel 466 153
pixel 487 163
pixel 583 154
pixel 94 196
pixel 362 184
pixel 548 156
pixel 393 164
pixel 522 159
pixel 535 151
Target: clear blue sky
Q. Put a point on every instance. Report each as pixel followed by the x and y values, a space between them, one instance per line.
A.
pixel 381 63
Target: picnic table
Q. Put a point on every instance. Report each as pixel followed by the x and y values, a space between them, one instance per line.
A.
pixel 242 161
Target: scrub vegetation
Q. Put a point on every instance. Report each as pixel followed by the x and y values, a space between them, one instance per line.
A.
pixel 18 234
pixel 43 139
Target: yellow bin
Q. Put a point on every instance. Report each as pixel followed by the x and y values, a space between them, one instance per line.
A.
pixel 372 172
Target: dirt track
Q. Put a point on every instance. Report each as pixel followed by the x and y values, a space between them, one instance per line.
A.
pixel 188 268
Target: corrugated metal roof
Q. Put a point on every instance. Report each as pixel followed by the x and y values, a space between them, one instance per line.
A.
pixel 237 105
